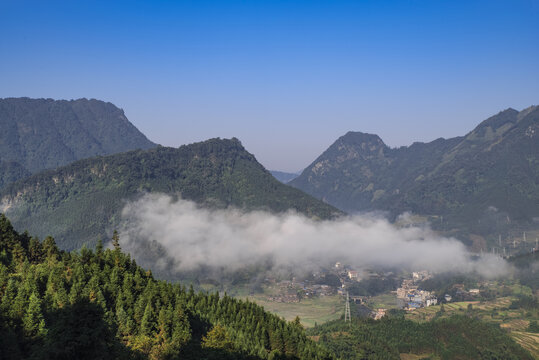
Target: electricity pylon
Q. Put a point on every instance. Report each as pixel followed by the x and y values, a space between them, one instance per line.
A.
pixel 347 316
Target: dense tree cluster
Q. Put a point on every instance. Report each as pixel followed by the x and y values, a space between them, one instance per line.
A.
pixel 374 286
pixel 457 337
pixel 101 304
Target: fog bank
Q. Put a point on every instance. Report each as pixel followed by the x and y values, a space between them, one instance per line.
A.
pixel 193 236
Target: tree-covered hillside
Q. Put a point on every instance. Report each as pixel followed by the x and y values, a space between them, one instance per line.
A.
pixel 81 202
pixel 457 337
pixel 491 172
pixel 101 305
pixel 44 133
pixel 11 171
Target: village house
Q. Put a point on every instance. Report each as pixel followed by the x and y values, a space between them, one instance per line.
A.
pixel 380 313
pixel 474 292
pixel 353 275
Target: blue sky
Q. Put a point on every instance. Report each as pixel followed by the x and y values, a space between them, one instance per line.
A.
pixel 285 77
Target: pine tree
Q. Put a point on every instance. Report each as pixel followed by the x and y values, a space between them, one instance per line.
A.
pixel 218 338
pixel 116 240
pixel 122 320
pixel 50 249
pixel 35 251
pixel 297 323
pixel 99 249
pixel 147 322
pixel 33 321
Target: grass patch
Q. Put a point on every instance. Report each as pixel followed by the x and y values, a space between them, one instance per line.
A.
pixel 384 301
pixel 317 310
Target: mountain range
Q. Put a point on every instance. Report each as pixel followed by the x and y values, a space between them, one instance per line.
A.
pixel 40 134
pixel 486 181
pixel 492 169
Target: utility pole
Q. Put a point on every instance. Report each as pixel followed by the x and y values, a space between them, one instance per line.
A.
pixel 347 316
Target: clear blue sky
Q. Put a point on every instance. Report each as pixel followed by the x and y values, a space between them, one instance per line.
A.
pixel 285 77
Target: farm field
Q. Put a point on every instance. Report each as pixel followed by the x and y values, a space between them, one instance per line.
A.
pixel 310 311
pixel 515 321
pixel 384 301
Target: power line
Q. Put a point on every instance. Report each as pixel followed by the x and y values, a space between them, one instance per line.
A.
pixel 347 316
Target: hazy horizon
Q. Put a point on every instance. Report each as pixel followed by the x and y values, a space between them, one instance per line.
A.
pixel 286 78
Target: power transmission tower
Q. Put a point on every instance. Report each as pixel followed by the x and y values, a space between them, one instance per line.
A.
pixel 347 316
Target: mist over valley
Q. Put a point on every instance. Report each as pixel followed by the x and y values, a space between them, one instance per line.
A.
pixel 329 180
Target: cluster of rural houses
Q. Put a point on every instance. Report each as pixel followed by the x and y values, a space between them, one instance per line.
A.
pixel 412 296
pixel 294 291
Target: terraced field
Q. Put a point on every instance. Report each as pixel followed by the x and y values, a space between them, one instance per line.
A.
pixel 527 340
pixel 514 321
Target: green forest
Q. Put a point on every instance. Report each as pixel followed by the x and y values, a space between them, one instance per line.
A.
pixel 456 337
pixel 101 305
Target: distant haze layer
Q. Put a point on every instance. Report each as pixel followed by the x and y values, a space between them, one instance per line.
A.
pixel 286 77
pixel 193 237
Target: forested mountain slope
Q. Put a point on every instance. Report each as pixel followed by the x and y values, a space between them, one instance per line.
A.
pixel 101 305
pixel 44 133
pixel 493 168
pixel 81 202
pixel 11 171
pixel 457 337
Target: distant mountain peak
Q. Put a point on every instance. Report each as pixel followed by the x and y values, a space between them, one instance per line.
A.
pixel 358 136
pixel 494 127
pixel 46 133
pixel 499 125
pixel 356 145
pixel 527 111
pixel 283 176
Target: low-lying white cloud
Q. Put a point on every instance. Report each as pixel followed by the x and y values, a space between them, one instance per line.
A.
pixel 193 236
